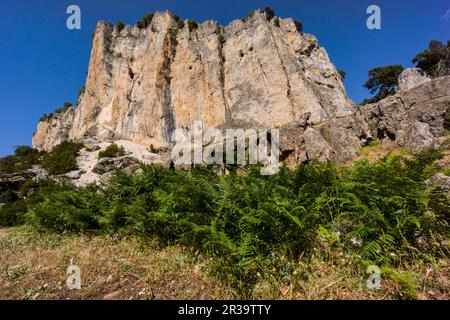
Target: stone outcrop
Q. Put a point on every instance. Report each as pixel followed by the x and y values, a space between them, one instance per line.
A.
pixel 413 118
pixel 411 78
pixel 106 165
pixel 253 73
pixel 53 130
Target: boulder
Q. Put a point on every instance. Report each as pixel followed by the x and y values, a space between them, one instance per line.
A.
pixel 413 118
pixel 37 173
pixel 106 165
pixel 75 175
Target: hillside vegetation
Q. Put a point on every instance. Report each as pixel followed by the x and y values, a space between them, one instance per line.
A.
pixel 252 229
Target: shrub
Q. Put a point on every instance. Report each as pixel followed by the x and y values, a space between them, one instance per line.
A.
pixel 68 211
pixel 67 105
pixel 192 25
pixel 62 158
pixel 342 74
pixel 112 151
pixel 429 59
pixel 270 13
pixel 145 21
pixel 119 25
pixel 30 194
pixel 24 157
pixel 80 93
pixel 63 109
pixel 180 23
pixel 298 26
pixel 276 22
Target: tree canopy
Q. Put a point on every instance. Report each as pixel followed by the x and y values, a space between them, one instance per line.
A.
pixel 383 81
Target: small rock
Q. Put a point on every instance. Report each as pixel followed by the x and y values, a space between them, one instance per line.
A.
pixel 95 148
pixel 439 179
pixel 37 173
pixel 113 295
pixel 75 175
pixel 106 165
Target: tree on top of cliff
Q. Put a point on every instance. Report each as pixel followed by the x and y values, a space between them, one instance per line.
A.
pixel 270 13
pixel 429 59
pixel 382 81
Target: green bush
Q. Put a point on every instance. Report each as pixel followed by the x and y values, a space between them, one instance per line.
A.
pixel 24 157
pixel 298 26
pixel 16 204
pixel 429 59
pixel 112 151
pixel 179 21
pixel 192 25
pixel 119 25
pixel 276 22
pixel 62 158
pixel 80 93
pixel 145 21
pixel 270 13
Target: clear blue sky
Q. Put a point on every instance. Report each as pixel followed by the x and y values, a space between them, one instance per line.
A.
pixel 42 63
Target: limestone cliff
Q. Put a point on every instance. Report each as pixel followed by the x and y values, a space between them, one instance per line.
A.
pixel 144 83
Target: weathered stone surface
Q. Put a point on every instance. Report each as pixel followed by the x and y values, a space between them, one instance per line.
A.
pixel 142 84
pixel 75 175
pixel 411 78
pixel 53 131
pixel 106 165
pixel 441 180
pixel 37 173
pixel 413 118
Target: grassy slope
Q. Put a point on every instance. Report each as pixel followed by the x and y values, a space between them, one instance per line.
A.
pixel 34 266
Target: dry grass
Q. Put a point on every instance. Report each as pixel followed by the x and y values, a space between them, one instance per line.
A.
pixel 377 151
pixel 34 267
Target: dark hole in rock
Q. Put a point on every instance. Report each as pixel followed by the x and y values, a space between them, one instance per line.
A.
pixel 131 73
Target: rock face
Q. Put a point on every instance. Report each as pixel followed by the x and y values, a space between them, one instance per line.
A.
pixel 142 84
pixel 413 118
pixel 54 130
pixel 411 78
pixel 441 181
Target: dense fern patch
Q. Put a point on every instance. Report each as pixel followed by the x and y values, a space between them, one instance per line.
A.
pixel 380 213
